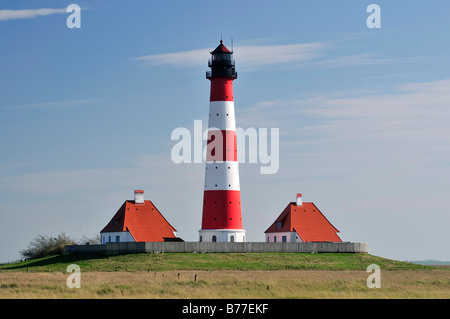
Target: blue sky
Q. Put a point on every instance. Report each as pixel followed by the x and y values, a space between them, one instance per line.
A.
pixel 86 115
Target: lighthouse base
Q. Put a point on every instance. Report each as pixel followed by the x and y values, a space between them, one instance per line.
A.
pixel 222 235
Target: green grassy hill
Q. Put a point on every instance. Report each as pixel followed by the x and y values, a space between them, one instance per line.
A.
pixel 222 275
pixel 216 261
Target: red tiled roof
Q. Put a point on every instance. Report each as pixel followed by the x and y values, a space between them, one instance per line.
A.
pixel 221 49
pixel 307 220
pixel 143 221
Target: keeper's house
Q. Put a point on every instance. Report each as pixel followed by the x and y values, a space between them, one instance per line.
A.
pixel 301 222
pixel 138 220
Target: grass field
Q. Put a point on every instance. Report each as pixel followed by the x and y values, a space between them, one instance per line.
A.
pixel 232 276
pixel 213 261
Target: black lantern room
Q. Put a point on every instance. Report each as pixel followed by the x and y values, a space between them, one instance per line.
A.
pixel 221 63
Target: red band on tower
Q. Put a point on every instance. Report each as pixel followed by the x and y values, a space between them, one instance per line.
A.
pixel 222 210
pixel 221 146
pixel 221 89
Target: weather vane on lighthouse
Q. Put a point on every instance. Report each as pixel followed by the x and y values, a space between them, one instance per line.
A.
pixel 222 217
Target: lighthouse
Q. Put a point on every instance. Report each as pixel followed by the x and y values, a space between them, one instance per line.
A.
pixel 222 216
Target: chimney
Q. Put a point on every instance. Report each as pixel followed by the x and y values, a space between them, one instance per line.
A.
pixel 299 201
pixel 139 197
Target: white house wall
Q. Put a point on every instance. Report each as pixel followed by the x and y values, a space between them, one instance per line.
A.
pixel 124 236
pixel 291 237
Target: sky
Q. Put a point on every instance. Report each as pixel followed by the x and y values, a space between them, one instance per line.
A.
pixel 86 115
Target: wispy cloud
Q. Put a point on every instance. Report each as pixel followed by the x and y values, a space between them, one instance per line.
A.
pixel 13 165
pixel 415 114
pixel 28 13
pixel 178 59
pixel 251 56
pixel 144 171
pixel 65 181
pixel 279 54
pixel 254 57
pixel 57 104
pixel 353 60
pixel 361 59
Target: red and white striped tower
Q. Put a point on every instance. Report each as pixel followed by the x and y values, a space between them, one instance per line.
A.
pixel 222 218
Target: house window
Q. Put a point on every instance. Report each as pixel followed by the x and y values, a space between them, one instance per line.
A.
pixel 109 238
pixel 284 239
pixel 103 239
pixel 278 225
pixel 274 239
pixel 117 239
